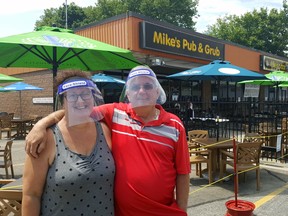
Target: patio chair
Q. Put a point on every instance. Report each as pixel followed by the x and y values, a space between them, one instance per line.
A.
pixel 6 158
pixel 198 154
pixel 10 200
pixel 247 158
pixel 6 125
pixel 253 137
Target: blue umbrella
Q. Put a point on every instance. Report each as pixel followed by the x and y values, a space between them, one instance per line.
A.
pixel 218 70
pixel 104 81
pixel 21 86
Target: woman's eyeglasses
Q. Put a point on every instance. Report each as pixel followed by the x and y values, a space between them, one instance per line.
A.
pixel 74 97
pixel 146 87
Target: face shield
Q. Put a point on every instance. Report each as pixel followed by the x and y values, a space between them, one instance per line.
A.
pixel 142 88
pixel 78 96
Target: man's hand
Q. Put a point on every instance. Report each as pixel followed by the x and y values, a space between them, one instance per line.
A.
pixel 35 141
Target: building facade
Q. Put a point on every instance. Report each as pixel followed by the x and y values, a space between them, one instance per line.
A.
pixel 167 49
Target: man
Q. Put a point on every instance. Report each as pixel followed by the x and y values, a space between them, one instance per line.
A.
pixel 149 148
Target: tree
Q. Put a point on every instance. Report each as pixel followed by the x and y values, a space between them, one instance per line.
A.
pixel 180 13
pixel 262 30
pixel 76 16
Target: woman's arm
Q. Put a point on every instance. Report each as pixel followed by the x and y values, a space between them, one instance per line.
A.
pixel 34 178
pixel 36 139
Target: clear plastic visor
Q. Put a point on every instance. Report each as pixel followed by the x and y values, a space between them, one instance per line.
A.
pixel 143 91
pixel 78 103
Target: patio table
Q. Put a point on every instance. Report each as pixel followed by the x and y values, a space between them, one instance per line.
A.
pixel 215 146
pixel 21 127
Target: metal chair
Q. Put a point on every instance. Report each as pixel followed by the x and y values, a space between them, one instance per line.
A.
pixel 6 158
pixel 247 158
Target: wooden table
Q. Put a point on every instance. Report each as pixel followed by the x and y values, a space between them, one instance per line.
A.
pixel 21 127
pixel 215 146
pixel 11 198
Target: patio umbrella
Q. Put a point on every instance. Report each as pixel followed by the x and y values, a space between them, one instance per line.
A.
pixel 104 81
pixel 274 78
pixel 219 71
pixel 21 86
pixel 58 48
pixel 278 76
pixel 5 78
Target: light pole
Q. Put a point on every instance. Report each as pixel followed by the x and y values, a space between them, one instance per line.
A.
pixel 66 23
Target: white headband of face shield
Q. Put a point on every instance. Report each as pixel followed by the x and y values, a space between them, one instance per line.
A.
pixel 79 96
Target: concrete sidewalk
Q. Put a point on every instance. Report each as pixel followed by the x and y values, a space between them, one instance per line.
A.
pixel 210 200
pixel 270 200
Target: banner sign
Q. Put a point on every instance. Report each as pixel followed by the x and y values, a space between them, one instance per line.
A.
pixel 251 90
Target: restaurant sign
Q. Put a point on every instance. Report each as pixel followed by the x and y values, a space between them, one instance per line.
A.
pixel 272 64
pixel 163 39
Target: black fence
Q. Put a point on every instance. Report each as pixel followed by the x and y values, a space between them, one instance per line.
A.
pixel 235 119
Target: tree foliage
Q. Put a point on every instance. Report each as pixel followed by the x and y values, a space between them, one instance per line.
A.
pixel 260 29
pixel 180 13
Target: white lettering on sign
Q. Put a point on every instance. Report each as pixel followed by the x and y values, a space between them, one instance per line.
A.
pixel 44 100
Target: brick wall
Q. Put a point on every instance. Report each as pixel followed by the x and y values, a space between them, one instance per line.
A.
pixel 10 101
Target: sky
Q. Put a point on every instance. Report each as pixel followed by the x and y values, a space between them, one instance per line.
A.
pixel 21 18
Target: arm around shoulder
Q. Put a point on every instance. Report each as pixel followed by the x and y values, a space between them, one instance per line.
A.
pixel 36 139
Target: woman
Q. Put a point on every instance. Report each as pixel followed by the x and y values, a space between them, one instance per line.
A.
pixel 75 173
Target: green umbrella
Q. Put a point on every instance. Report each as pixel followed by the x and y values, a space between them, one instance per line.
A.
pixel 5 78
pixel 57 48
pixel 277 76
pixel 267 82
pixel 274 78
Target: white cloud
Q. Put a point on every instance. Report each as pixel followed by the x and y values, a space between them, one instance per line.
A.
pixel 20 16
pixel 16 7
pixel 211 10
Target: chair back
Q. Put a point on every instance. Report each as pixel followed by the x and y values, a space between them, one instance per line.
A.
pixel 253 137
pixel 6 158
pixel 193 134
pixel 248 153
pixel 6 121
pixel 8 152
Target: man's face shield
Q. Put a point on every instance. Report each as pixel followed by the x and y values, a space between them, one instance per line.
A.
pixel 142 88
pixel 79 97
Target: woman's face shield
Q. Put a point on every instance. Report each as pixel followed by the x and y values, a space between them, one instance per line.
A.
pixel 79 98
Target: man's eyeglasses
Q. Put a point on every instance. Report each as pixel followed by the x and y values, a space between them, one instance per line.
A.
pixel 146 87
pixel 74 97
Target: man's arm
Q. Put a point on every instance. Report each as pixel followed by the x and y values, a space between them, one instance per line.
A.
pixel 36 139
pixel 182 190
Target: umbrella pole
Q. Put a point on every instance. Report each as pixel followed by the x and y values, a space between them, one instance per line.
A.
pixel 54 77
pixel 20 97
pixel 235 172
